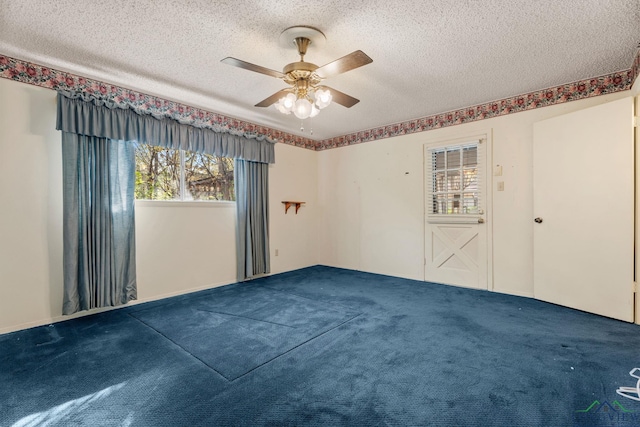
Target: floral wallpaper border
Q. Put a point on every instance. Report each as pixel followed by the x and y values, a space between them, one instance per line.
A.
pixel 38 75
pixel 610 83
pixel 26 72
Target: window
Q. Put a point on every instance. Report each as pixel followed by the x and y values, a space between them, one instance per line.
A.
pixel 169 174
pixel 454 179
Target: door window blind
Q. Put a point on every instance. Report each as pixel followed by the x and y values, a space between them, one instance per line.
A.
pixel 454 179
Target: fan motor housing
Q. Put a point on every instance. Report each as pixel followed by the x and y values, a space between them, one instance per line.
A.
pixel 301 71
pixel 299 66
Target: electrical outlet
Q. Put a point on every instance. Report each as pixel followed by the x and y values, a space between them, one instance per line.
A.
pixel 500 186
pixel 277 252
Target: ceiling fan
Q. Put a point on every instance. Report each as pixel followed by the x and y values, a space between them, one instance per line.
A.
pixel 306 96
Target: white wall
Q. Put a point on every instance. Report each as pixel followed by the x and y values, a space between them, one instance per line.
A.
pixel 30 206
pixel 180 248
pixel 371 199
pixel 294 177
pixel 183 247
pixel 371 203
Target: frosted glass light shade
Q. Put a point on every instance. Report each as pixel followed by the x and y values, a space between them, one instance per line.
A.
pixel 289 101
pixel 304 107
pixel 280 106
pixel 286 103
pixel 302 110
pixel 323 98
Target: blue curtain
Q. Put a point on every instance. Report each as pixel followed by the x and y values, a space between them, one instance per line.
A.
pixel 99 180
pixel 99 231
pixel 252 210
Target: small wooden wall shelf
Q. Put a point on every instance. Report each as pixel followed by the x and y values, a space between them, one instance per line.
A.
pixel 289 203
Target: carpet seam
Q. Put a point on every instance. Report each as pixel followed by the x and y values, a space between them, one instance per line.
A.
pixel 179 346
pixel 295 347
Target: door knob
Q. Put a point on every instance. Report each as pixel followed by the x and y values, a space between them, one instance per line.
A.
pixel 538 220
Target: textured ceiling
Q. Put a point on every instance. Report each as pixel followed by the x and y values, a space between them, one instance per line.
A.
pixel 428 56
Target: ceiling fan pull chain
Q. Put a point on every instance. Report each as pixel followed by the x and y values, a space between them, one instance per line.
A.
pixel 310 126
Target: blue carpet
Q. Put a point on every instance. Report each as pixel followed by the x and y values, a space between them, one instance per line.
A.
pixel 240 330
pixel 324 346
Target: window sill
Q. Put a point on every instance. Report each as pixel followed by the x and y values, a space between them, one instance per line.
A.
pixel 185 204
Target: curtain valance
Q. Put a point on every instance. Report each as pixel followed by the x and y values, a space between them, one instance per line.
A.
pixel 85 115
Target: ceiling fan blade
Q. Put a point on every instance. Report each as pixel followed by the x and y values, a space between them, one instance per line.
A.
pixel 346 63
pixel 273 98
pixel 253 67
pixel 341 98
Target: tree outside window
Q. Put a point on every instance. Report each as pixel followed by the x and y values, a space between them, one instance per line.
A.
pixel 169 174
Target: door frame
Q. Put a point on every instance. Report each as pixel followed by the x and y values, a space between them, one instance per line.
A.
pixel 486 135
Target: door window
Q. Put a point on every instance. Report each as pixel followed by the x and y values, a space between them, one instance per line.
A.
pixel 453 180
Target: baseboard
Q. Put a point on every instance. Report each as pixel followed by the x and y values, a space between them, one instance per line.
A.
pixel 62 318
pixel 517 294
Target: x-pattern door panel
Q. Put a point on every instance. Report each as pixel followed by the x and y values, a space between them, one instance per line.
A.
pixel 454 254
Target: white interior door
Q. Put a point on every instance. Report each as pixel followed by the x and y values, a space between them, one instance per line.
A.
pixel 583 189
pixel 455 207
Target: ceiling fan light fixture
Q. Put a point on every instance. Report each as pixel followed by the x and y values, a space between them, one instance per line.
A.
pixel 323 98
pixel 305 96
